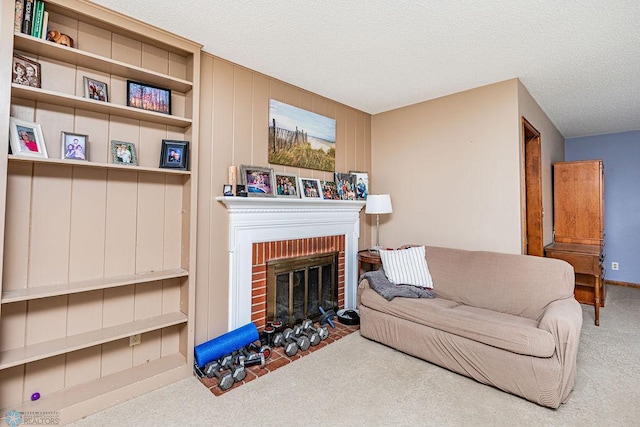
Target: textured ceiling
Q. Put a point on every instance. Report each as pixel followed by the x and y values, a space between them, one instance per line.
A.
pixel 579 59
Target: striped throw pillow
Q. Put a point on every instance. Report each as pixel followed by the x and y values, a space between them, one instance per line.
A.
pixel 407 266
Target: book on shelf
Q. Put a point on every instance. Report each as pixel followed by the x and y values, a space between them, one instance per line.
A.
pixel 19 14
pixel 38 14
pixel 45 25
pixel 27 17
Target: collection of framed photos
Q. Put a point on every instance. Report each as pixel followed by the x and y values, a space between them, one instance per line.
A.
pixel 26 72
pixel 256 181
pixel 26 139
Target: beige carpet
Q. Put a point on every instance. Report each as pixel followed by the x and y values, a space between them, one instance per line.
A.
pixel 359 382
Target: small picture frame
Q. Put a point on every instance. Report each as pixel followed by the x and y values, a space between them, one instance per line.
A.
pixel 123 153
pixel 74 146
pixel 147 97
pixel 96 90
pixel 174 154
pixel 362 184
pixel 259 181
pixel 287 185
pixel 241 190
pixel 227 190
pixel 26 138
pixel 310 188
pixel 329 190
pixel 346 184
pixel 25 71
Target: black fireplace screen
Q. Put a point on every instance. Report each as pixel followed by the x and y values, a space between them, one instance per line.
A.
pixel 297 287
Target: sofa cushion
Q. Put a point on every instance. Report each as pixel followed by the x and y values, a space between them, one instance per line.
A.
pixel 515 284
pixel 407 266
pixel 505 331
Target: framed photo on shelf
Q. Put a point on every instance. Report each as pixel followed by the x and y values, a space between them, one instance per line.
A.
pixel 25 71
pixel 310 188
pixel 124 153
pixel 259 181
pixel 74 146
pixel 287 185
pixel 94 89
pixel 346 184
pixel 26 138
pixel 174 154
pixel 329 190
pixel 147 97
pixel 362 184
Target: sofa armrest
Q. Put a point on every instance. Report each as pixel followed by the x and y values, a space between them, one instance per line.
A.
pixel 362 286
pixel 563 319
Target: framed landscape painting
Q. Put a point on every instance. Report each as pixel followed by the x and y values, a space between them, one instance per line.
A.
pixel 300 138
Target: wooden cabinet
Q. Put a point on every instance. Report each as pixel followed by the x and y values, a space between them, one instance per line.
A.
pixel 94 252
pixel 579 226
pixel 578 195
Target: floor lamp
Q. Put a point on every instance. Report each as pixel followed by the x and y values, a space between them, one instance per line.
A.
pixel 378 204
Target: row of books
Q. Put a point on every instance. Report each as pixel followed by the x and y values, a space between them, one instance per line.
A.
pixel 31 18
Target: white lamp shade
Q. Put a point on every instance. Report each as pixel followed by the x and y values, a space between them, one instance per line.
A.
pixel 378 204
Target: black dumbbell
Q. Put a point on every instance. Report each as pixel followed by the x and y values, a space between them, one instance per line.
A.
pixel 321 330
pixel 302 341
pixel 254 359
pixel 290 347
pixel 225 379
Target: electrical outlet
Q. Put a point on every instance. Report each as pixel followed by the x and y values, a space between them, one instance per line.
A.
pixel 135 340
pixel 615 266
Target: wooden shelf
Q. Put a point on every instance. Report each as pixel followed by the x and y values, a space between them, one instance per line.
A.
pixel 96 62
pixel 85 164
pixel 72 101
pixel 165 370
pixel 30 353
pixel 28 294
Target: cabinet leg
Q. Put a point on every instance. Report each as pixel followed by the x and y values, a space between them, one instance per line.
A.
pixel 597 301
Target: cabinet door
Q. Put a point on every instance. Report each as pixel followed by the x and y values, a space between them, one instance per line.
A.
pixel 578 203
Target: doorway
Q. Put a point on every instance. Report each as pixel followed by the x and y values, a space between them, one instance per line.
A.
pixel 532 234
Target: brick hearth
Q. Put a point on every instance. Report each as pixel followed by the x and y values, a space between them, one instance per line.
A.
pixel 269 251
pixel 279 359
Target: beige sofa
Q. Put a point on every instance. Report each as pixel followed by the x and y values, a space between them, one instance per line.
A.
pixel 510 321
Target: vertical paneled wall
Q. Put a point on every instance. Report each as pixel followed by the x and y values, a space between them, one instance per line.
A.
pixel 234 117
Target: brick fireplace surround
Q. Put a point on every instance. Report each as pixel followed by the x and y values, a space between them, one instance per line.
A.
pixel 262 228
pixel 268 251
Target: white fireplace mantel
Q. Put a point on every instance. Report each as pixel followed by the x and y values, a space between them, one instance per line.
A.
pixel 266 219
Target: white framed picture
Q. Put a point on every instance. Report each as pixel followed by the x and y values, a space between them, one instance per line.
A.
pixel 26 138
pixel 310 188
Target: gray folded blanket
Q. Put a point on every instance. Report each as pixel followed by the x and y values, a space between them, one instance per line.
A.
pixel 379 283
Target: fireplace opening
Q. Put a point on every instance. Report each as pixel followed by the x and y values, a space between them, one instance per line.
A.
pixel 297 287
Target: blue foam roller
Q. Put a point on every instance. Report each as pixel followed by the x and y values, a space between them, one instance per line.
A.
pixel 225 344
